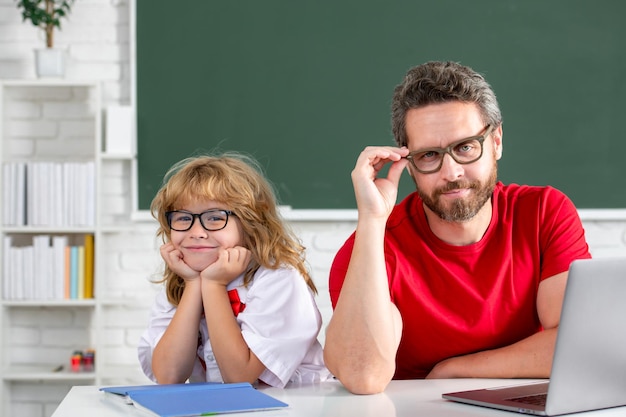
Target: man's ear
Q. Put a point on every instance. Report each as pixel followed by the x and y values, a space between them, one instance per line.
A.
pixel 496 136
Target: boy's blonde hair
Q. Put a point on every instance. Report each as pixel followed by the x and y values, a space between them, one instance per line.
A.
pixel 237 181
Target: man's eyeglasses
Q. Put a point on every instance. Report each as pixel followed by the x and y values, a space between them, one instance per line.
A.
pixel 211 220
pixel 464 151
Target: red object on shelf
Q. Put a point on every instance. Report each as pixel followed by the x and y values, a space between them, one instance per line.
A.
pixel 75 361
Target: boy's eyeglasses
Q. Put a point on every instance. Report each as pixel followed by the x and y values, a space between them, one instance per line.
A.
pixel 211 220
pixel 464 151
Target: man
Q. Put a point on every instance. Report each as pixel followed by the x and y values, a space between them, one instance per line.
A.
pixel 463 278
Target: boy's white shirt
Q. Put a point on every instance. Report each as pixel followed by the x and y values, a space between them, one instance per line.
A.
pixel 280 324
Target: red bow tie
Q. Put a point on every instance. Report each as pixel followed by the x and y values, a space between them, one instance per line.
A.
pixel 235 302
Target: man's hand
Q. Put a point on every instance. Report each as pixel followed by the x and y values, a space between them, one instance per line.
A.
pixel 374 195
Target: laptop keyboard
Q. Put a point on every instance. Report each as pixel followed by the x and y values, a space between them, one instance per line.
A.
pixel 535 399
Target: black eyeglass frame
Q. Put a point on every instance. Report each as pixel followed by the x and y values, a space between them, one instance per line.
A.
pixel 168 216
pixel 448 150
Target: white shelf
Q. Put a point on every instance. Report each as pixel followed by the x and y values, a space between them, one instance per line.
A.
pixel 45 372
pixel 44 101
pixel 49 82
pixel 49 303
pixel 30 230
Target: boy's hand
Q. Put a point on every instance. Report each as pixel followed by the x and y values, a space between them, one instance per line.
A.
pixel 229 265
pixel 174 260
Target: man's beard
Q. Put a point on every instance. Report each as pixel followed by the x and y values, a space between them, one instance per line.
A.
pixel 461 210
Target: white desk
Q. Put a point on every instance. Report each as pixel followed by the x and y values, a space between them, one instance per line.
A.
pixel 400 399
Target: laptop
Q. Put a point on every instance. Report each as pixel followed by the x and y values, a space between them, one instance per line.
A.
pixel 589 365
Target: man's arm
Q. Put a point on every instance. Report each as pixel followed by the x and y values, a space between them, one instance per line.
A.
pixel 363 335
pixel 529 358
pixel 364 332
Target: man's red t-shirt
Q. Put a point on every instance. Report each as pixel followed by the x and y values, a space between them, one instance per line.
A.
pixel 456 300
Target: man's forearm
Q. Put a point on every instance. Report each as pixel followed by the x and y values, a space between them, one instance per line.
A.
pixel 528 358
pixel 364 332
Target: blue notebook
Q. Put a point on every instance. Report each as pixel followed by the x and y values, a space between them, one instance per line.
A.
pixel 198 399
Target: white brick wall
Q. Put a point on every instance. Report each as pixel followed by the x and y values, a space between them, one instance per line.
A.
pixel 97 39
pixel 48 121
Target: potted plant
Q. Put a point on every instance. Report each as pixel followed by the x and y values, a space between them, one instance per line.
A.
pixel 47 15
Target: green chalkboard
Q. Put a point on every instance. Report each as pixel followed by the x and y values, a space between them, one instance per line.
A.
pixel 305 86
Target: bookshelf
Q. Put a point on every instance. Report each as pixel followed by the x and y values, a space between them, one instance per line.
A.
pixel 58 186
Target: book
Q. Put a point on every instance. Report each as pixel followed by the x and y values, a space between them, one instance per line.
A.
pixel 27 264
pixel 9 203
pixel 59 247
pixel 80 271
pixel 41 268
pixel 89 266
pixel 90 193
pixel 197 399
pixel 7 251
pixel 67 280
pixel 73 272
